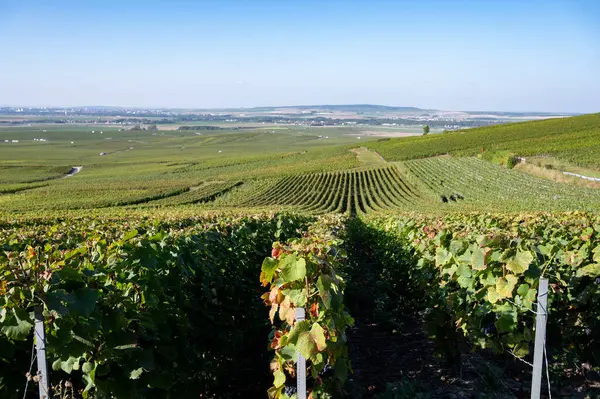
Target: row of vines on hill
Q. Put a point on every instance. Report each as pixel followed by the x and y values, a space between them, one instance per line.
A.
pixel 305 272
pixel 353 192
pixel 479 274
pixel 139 308
pixel 479 182
pixel 576 140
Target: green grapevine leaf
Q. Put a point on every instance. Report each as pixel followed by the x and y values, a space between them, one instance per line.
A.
pixel 523 289
pixel 292 269
pixel 507 318
pixel 17 325
pixel 268 269
pixel 72 363
pixel 478 259
pixel 87 367
pixel 488 279
pixel 288 352
pixel 457 246
pixel 297 296
pixel 324 284
pixel 86 301
pixel 521 349
pixel 442 256
pixel 130 235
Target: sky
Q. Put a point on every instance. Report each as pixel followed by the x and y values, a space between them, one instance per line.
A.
pixel 492 55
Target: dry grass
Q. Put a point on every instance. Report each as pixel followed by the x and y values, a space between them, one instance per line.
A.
pixel 555 175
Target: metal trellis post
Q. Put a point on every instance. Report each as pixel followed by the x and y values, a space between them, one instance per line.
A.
pixel 300 363
pixel 540 338
pixel 40 346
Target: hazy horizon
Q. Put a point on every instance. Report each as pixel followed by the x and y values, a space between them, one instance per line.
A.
pixel 498 56
pixel 287 106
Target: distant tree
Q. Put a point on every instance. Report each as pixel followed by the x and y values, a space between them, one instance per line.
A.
pixel 425 130
pixel 152 127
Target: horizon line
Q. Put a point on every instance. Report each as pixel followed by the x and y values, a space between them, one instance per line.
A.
pixel 286 106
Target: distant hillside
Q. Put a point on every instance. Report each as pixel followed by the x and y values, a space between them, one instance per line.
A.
pixel 358 108
pixel 575 139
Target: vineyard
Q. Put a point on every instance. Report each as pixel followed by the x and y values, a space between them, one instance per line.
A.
pixel 138 307
pixel 576 140
pixel 479 183
pixel 205 192
pixel 353 192
pixel 175 270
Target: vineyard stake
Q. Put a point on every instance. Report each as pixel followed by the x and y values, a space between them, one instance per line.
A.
pixel 40 345
pixel 540 338
pixel 300 364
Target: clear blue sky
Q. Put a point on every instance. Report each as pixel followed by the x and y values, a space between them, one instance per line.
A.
pixel 499 55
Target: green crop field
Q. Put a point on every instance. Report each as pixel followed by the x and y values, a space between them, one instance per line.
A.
pixel 166 262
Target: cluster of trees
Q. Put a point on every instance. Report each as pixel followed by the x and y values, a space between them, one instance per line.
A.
pixel 149 127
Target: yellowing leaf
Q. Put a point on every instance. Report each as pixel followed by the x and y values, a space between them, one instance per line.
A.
pixel 299 328
pixel 492 295
pixel 272 312
pixel 505 286
pixel 306 345
pixel 318 335
pixel 284 308
pixel 592 270
pixel 519 263
pixel 596 252
pixel 478 259
pixel 279 378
